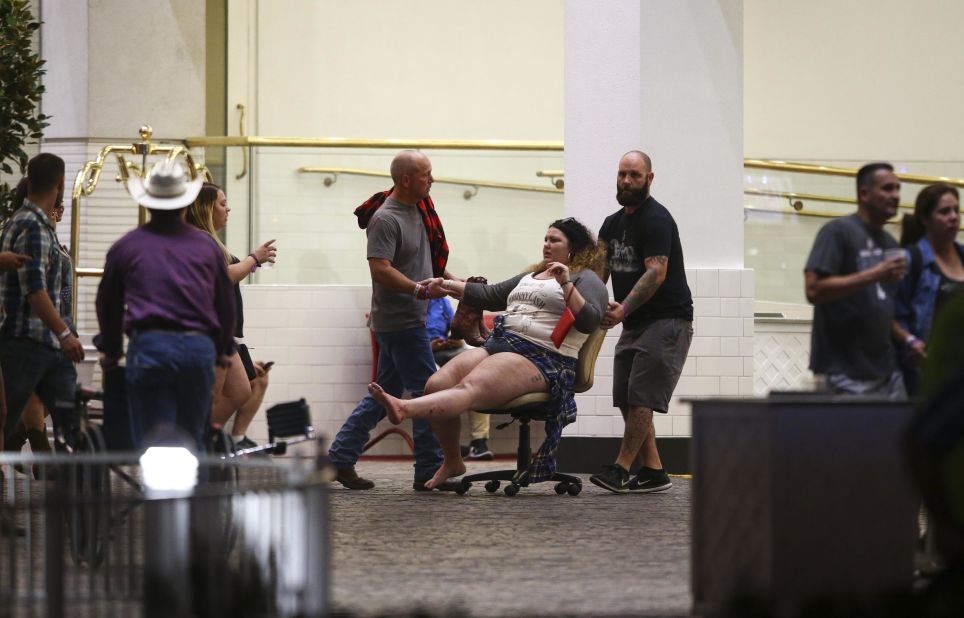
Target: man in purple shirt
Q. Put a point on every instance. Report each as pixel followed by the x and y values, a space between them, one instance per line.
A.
pixel 166 286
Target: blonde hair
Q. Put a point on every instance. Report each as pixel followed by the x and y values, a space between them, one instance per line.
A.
pixel 200 214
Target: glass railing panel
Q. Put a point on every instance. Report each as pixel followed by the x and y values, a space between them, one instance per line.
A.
pixel 490 231
pixel 783 210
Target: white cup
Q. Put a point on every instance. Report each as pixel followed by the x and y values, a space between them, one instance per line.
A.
pixel 897 252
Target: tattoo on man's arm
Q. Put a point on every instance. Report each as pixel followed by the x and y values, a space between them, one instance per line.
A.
pixel 641 292
pixel 662 259
pixel 536 378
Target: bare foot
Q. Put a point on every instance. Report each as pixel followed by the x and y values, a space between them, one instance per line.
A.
pixel 392 405
pixel 446 471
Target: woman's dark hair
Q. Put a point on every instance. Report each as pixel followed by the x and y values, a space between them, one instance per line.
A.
pixel 586 252
pixel 912 226
pixel 20 193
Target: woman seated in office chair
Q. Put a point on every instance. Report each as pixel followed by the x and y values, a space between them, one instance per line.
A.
pixel 532 349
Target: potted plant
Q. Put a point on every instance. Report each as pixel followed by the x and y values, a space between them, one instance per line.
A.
pixel 21 70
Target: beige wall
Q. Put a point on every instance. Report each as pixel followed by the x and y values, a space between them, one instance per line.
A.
pixel 432 69
pixel 435 68
pixel 861 79
pixel 146 65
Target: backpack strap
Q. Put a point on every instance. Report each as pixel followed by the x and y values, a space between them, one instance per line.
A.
pixel 916 264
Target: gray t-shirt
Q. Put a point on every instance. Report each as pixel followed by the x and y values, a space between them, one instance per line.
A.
pixel 396 233
pixel 852 335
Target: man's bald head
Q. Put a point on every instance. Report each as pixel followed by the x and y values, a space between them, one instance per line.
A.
pixel 634 178
pixel 641 155
pixel 412 175
pixel 406 162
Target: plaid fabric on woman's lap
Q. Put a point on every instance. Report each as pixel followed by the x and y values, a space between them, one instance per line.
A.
pixel 560 374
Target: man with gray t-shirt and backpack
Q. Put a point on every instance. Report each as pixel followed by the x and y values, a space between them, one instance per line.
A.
pixel 851 278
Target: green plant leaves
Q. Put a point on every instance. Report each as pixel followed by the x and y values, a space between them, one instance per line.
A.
pixel 21 70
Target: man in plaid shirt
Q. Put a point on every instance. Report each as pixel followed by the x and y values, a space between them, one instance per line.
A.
pixel 37 349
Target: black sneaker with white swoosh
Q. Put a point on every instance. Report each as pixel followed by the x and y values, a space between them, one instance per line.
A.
pixel 613 477
pixel 649 481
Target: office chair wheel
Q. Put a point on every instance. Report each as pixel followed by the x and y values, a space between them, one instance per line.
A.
pixel 574 489
pixel 562 487
pixel 511 489
pixel 463 488
pixel 492 487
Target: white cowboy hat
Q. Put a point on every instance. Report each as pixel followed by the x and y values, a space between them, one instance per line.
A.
pixel 165 188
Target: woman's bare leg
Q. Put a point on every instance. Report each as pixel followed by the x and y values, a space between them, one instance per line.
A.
pixel 447 430
pixel 452 372
pixel 494 381
pixel 232 396
pixel 34 413
pixel 247 411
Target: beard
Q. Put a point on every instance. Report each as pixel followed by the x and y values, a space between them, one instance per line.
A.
pixel 633 198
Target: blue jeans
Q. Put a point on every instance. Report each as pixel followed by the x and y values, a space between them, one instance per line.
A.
pixel 30 366
pixel 405 363
pixel 170 380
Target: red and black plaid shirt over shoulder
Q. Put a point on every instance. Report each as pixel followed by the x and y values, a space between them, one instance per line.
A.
pixel 433 227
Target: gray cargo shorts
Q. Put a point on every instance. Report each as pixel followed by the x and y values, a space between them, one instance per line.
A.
pixel 648 362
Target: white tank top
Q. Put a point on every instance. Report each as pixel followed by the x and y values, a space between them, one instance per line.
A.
pixel 533 310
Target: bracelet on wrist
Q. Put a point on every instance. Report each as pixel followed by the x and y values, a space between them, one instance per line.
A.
pixel 910 340
pixel 625 309
pixel 65 334
pixel 257 262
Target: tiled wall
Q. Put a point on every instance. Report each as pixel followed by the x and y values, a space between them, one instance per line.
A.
pixel 720 361
pixel 782 355
pixel 318 338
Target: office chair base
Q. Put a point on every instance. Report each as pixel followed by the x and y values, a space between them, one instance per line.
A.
pixel 565 483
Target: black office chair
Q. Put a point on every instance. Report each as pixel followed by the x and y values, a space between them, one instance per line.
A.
pixel 536 407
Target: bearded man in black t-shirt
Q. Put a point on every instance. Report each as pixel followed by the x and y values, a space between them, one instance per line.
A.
pixel 654 304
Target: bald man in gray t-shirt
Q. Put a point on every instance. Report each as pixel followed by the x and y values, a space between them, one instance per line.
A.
pixel 400 261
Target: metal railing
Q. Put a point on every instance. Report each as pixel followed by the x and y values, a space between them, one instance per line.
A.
pixel 252 537
pixel 88 177
pixel 826 170
pixel 796 200
pixel 334 172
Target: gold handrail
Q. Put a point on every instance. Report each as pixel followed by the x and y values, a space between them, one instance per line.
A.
pixel 476 184
pixel 556 177
pixel 798 205
pixel 244 151
pixel 825 170
pixel 353 142
pixel 813 213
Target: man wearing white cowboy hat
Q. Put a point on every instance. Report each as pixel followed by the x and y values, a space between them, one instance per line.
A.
pixel 166 286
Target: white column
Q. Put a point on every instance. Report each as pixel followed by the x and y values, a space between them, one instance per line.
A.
pixel 603 86
pixel 666 77
pixel 63 45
